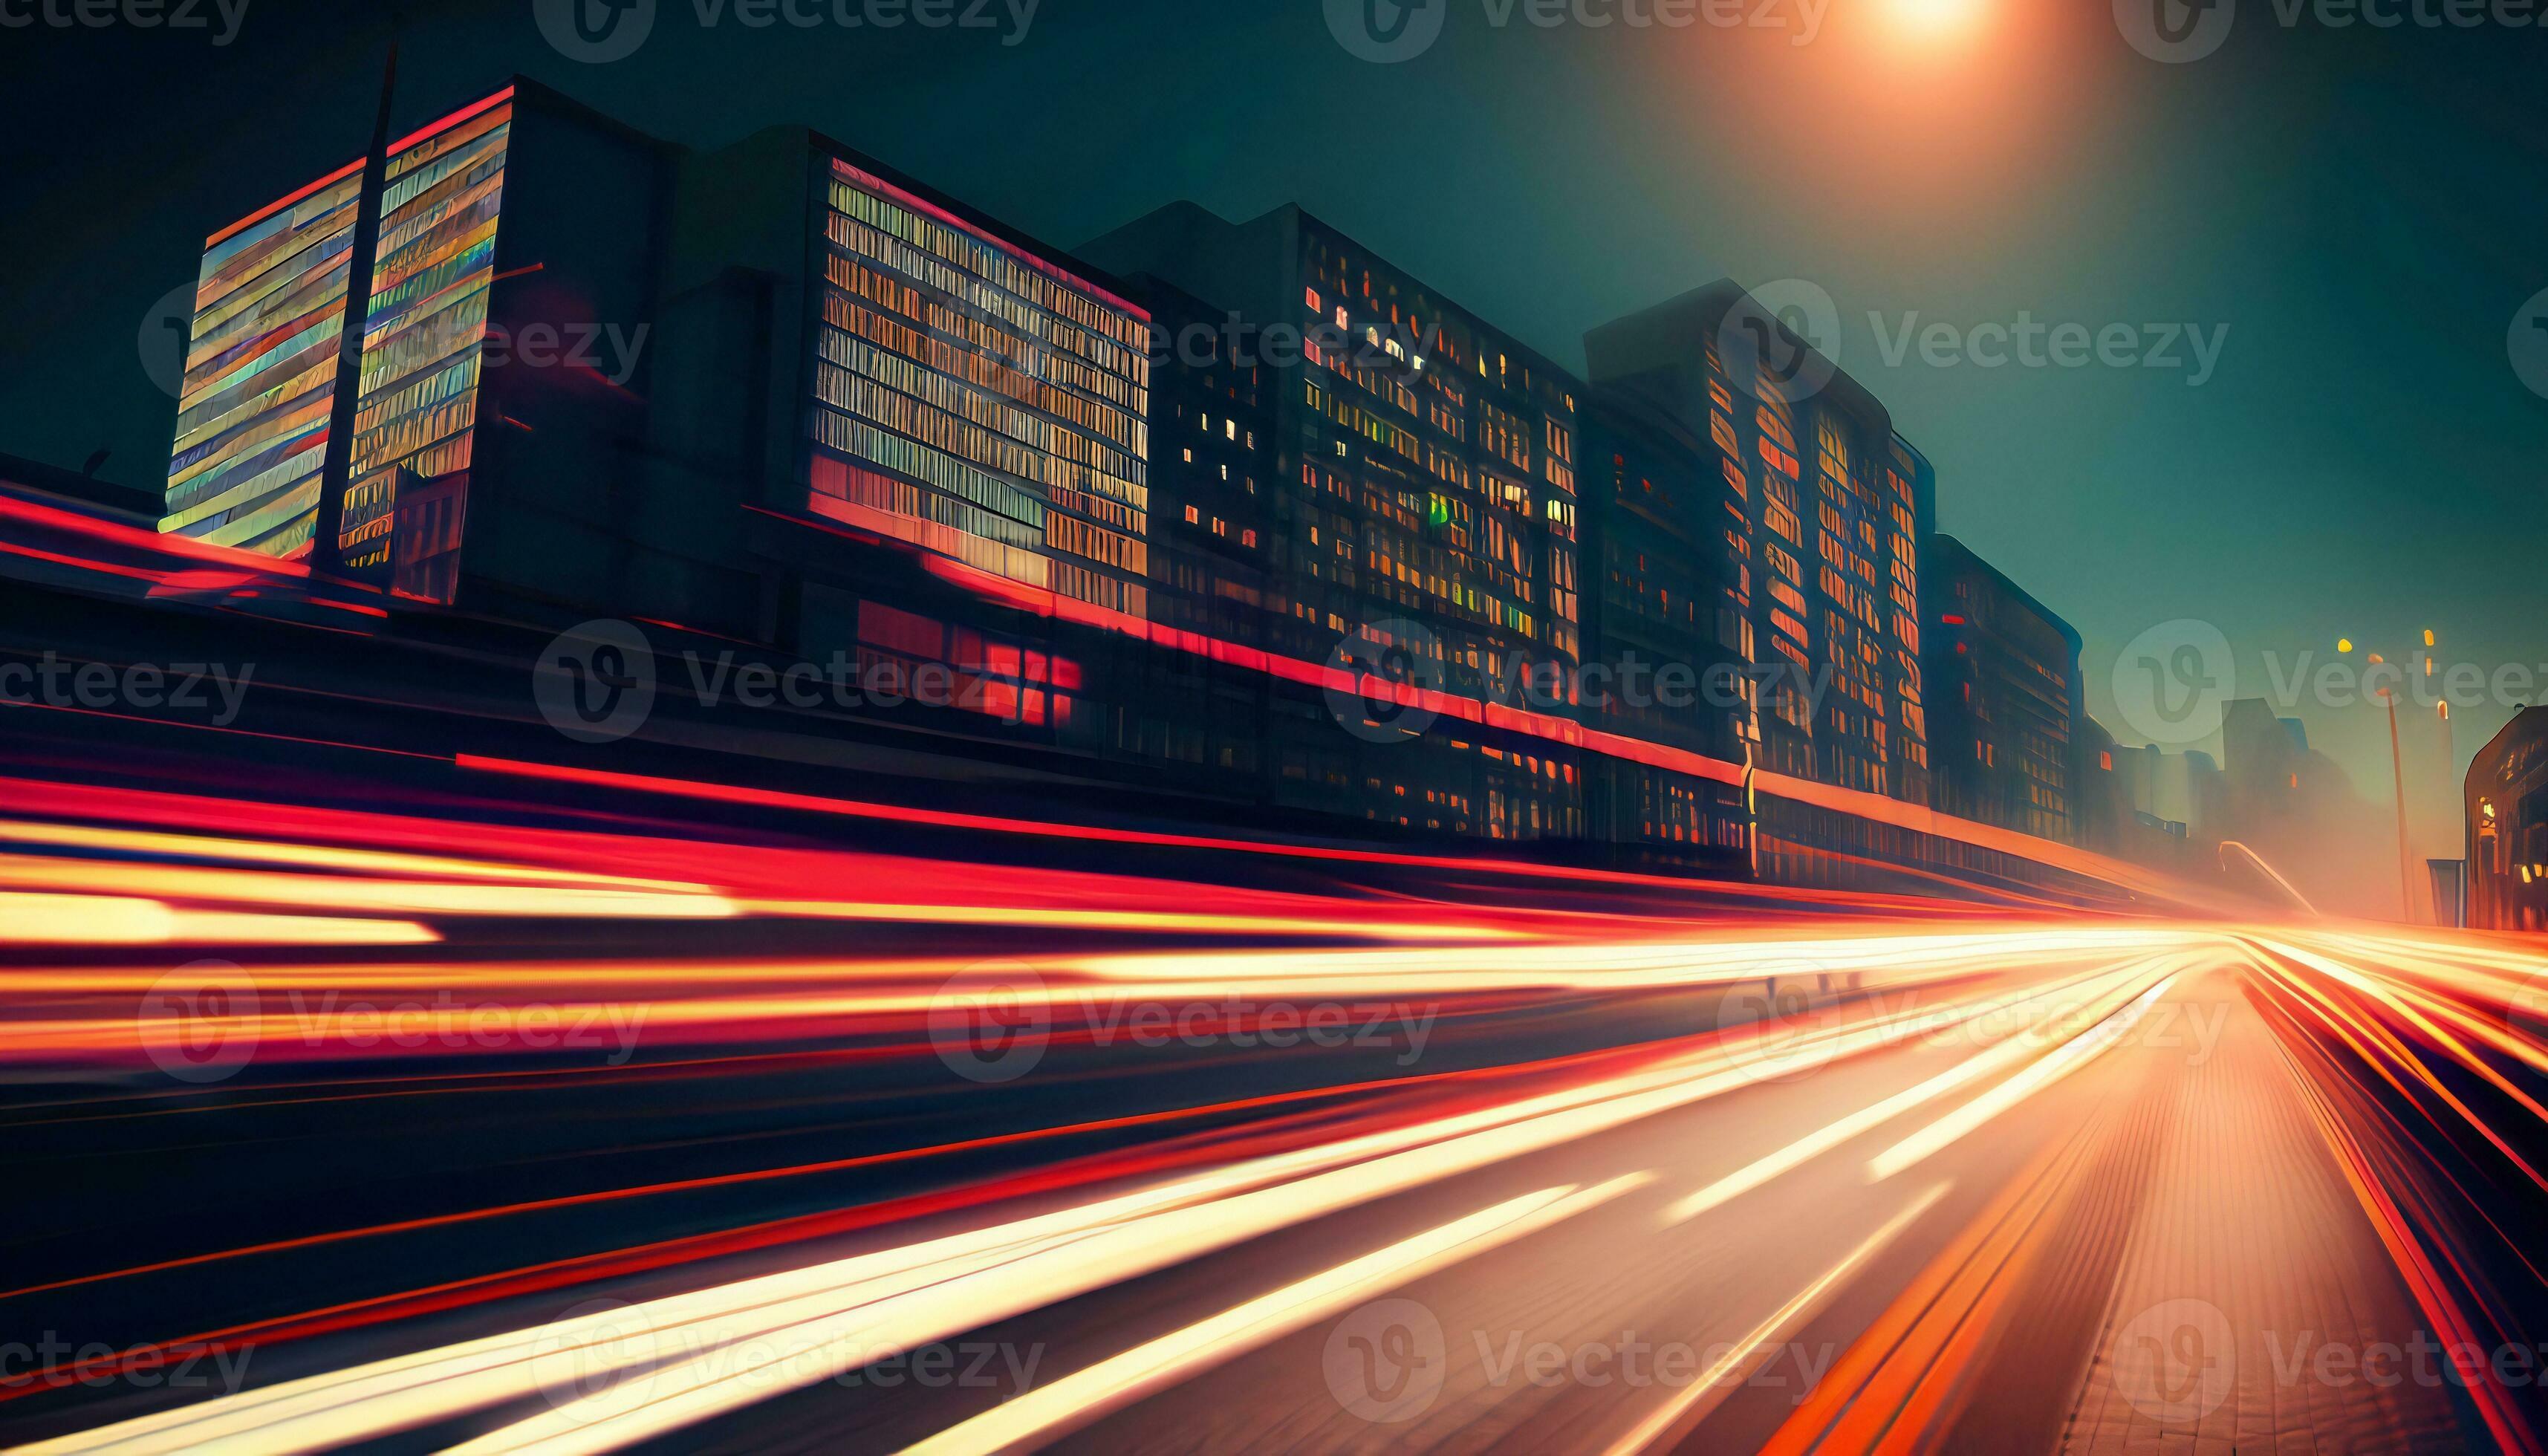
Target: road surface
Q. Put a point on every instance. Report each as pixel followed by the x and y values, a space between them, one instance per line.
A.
pixel 593 1121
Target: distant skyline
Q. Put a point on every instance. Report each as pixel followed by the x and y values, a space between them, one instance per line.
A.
pixel 2346 218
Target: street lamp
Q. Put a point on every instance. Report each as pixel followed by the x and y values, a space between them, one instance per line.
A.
pixel 2397 766
pixel 2398 771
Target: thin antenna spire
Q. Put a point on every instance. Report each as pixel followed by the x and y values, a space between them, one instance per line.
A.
pixel 324 552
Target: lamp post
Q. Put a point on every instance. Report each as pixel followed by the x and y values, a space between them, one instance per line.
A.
pixel 2398 777
pixel 2397 771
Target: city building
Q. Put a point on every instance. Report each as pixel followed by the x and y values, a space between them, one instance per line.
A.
pixel 2008 704
pixel 1801 513
pixel 2507 828
pixel 1422 510
pixel 1835 506
pixel 2263 764
pixel 1212 538
pixel 2448 880
pixel 1234 521
pixel 2102 789
pixel 1668 609
pixel 363 468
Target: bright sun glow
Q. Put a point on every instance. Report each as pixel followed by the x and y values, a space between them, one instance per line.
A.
pixel 1936 17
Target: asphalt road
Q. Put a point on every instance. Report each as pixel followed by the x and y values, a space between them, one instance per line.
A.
pixel 599 1124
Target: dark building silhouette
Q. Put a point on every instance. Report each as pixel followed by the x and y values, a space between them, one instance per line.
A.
pixel 1211 537
pixel 2507 828
pixel 2448 879
pixel 2263 763
pixel 2006 673
pixel 70 484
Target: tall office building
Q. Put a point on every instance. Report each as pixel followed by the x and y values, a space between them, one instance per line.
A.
pixel 1424 509
pixel 256 442
pixel 975 399
pixel 1669 611
pixel 260 382
pixel 407 496
pixel 2009 712
pixel 255 419
pixel 1212 538
pixel 1817 586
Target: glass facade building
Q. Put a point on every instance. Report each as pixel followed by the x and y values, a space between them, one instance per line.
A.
pixel 260 384
pixel 979 402
pixel 1419 511
pixel 424 352
pixel 254 424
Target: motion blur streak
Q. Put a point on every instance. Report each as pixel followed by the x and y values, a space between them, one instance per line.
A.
pixel 2064 1060
pixel 1088 1393
pixel 575 1125
pixel 1710 1385
pixel 2030 1044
